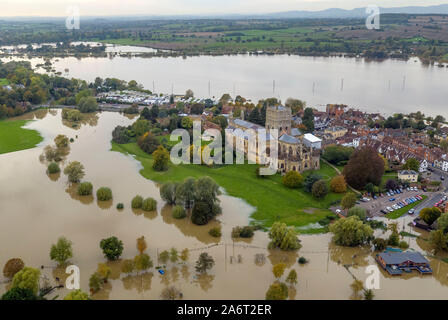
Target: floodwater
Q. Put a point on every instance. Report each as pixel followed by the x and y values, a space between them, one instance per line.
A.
pixel 37 208
pixel 387 87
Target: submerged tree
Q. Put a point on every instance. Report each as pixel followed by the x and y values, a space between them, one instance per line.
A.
pixel 61 251
pixel 283 237
pixel 204 263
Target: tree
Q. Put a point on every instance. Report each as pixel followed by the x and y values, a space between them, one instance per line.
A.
pixel 337 154
pixel 95 282
pixel 185 193
pixel 338 184
pixel 348 201
pixel 161 159
pixel 104 271
pixel 148 143
pixel 174 256
pixel 178 212
pixel 137 202
pixel 141 244
pixel 308 119
pixel 310 180
pixel 444 145
pixel 292 277
pixel 360 212
pixel 429 215
pixel 170 293
pixel 202 213
pixel 184 255
pixel 204 263
pixel 320 189
pixel 120 135
pixel 164 256
pixel 112 248
pixel 16 294
pixel 364 166
pixel 27 278
pixel 438 240
pixel 52 154
pixel 61 141
pixel 292 179
pixel 168 192
pixel 412 164
pixel 141 127
pixel 149 204
pixel 127 266
pixel 277 291
pixel 394 238
pixel 77 295
pixel 74 171
pixel 61 251
pixel 53 168
pixel 104 194
pixel 87 104
pixel 380 244
pixel 12 266
pixel 189 94
pixel 368 294
pixel 351 232
pixel 143 262
pixel 391 184
pixel 295 104
pixel 85 189
pixel 283 237
pixel 278 270
pixel 442 223
pixel 357 286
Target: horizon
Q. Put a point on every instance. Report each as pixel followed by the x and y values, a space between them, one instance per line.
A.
pixel 135 8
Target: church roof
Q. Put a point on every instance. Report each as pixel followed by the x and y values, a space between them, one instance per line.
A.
pixel 288 139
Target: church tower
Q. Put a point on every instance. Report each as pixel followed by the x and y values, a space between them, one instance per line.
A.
pixel 278 117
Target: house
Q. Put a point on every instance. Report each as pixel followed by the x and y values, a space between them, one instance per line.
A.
pixel 408 175
pixel 423 166
pixel 336 132
pixel 395 263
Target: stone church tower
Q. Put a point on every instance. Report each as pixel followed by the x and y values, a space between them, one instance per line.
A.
pixel 278 117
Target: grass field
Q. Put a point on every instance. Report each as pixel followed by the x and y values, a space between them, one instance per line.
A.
pixel 398 213
pixel 274 202
pixel 14 138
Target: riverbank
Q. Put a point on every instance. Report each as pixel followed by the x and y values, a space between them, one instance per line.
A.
pixel 291 206
pixel 14 137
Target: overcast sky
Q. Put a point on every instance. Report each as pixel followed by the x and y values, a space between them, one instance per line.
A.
pixel 173 7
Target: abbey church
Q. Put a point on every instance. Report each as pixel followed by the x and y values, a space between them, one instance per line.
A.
pixel 293 153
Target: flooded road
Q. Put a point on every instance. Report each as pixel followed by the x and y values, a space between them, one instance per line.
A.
pixel 37 208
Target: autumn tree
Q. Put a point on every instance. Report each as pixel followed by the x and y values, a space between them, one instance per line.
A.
pixel 142 262
pixel 278 270
pixel 338 184
pixel 141 244
pixel 292 277
pixel 12 266
pixel 161 158
pixel 277 291
pixel 184 255
pixel 292 179
pixel 364 166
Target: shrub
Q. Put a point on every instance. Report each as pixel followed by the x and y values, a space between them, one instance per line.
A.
pixel 319 189
pixel 104 194
pixel 85 189
pixel 357 211
pixel 74 171
pixel 179 212
pixel 202 213
pixel 137 202
pixel 120 206
pixel 247 232
pixel 12 266
pixel 338 184
pixel 277 291
pixel 292 179
pixel 380 244
pixel 53 168
pixel 149 204
pixel 148 143
pixel 16 294
pixel 112 248
pixel 95 282
pixel 302 260
pixel 215 232
pixel 403 244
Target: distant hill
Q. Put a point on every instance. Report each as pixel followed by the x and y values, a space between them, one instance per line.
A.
pixel 356 13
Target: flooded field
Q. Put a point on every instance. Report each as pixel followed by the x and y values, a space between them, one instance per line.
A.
pixel 36 209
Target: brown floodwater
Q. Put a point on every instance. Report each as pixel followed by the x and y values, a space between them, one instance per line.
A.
pixel 36 208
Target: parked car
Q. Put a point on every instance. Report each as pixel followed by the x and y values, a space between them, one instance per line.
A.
pixel 389 209
pixel 338 211
pixel 411 211
pixel 388 194
pixel 383 211
pixel 392 199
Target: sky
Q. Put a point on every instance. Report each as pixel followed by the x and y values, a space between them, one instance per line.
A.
pixel 50 8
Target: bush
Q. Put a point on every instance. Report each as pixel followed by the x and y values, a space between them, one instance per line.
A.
pixel 292 179
pixel 247 232
pixel 112 248
pixel 338 184
pixel 215 232
pixel 179 212
pixel 74 171
pixel 380 244
pixel 104 194
pixel 120 206
pixel 85 189
pixel 203 212
pixel 53 168
pixel 357 211
pixel 12 266
pixel 319 189
pixel 137 202
pixel 302 260
pixel 149 204
pixel 403 245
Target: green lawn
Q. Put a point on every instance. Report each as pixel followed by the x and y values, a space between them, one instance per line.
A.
pixel 398 213
pixel 14 138
pixel 4 82
pixel 273 201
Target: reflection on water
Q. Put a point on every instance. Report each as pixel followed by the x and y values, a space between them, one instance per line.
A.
pixel 36 211
pixel 90 119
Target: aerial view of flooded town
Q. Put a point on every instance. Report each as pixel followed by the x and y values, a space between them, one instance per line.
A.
pixel 269 150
